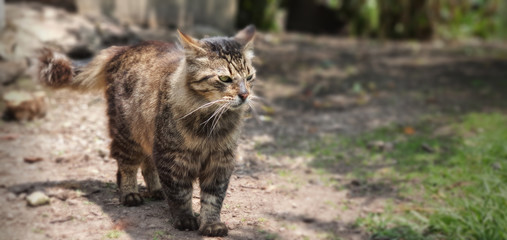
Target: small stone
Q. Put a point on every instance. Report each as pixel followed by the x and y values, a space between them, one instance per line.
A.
pixel 496 166
pixel 233 224
pixel 380 146
pixel 102 153
pixel 315 182
pixel 22 105
pixel 270 188
pixel 10 71
pixel 37 199
pixel 11 196
pixel 58 193
pixel 427 148
pixel 388 146
pixel 72 201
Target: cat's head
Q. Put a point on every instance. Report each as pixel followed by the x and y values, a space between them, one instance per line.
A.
pixel 220 68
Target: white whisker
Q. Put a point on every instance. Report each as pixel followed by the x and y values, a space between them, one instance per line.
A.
pixel 255 114
pixel 215 122
pixel 203 106
pixel 214 114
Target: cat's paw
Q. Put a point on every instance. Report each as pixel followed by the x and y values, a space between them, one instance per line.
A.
pixel 132 199
pixel 157 195
pixel 216 229
pixel 186 223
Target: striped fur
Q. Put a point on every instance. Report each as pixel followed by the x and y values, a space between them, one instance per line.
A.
pixel 175 112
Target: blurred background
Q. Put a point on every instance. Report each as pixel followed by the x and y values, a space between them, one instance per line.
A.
pixel 378 119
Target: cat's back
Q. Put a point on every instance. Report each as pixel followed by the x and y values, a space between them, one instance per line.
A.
pixel 135 75
pixel 157 56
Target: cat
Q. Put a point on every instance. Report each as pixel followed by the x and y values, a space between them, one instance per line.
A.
pixel 175 111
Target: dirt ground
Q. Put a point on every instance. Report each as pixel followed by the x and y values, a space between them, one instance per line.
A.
pixel 311 86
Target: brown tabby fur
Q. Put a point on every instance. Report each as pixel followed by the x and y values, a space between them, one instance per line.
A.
pixel 171 115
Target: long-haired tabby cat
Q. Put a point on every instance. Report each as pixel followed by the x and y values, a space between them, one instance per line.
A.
pixel 175 112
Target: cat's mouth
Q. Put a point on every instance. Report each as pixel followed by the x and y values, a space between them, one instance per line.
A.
pixel 237 105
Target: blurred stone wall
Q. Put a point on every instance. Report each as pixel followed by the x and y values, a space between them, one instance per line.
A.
pixel 2 14
pixel 217 13
pixel 220 14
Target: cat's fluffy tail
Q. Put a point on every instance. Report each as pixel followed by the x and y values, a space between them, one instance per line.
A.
pixel 57 71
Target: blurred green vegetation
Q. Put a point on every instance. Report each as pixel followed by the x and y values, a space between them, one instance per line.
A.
pixel 262 13
pixel 449 178
pixel 391 19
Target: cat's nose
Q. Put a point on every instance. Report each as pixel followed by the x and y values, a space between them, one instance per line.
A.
pixel 243 96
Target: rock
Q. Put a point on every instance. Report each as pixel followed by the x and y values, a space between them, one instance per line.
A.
pixel 380 146
pixel 59 193
pixel 37 199
pixel 496 166
pixel 22 196
pixel 233 224
pixel 2 14
pixel 22 105
pixel 102 153
pixel 10 71
pixel 316 182
pixel 72 202
pixel 427 148
pixel 270 188
pixel 11 196
pixel 33 26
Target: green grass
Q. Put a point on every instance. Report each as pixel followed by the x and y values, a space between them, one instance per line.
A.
pixel 453 186
pixel 113 234
pixel 268 235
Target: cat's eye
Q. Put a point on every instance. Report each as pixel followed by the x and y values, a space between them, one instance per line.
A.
pixel 249 77
pixel 225 79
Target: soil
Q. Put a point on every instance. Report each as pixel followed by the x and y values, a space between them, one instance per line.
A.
pixel 311 86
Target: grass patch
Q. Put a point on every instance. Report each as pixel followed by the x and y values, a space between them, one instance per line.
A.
pixel 267 235
pixel 454 184
pixel 113 234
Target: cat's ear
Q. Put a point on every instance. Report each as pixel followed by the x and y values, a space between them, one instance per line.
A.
pixel 246 36
pixel 190 44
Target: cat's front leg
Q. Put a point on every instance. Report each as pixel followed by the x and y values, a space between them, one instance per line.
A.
pixel 177 185
pixel 179 197
pixel 213 185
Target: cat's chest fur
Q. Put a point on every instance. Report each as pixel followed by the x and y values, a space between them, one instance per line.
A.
pixel 202 134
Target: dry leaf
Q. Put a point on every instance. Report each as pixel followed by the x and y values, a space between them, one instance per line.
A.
pixel 409 130
pixel 32 159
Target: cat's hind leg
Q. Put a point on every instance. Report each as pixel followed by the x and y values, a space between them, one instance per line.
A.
pixel 129 157
pixel 151 178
